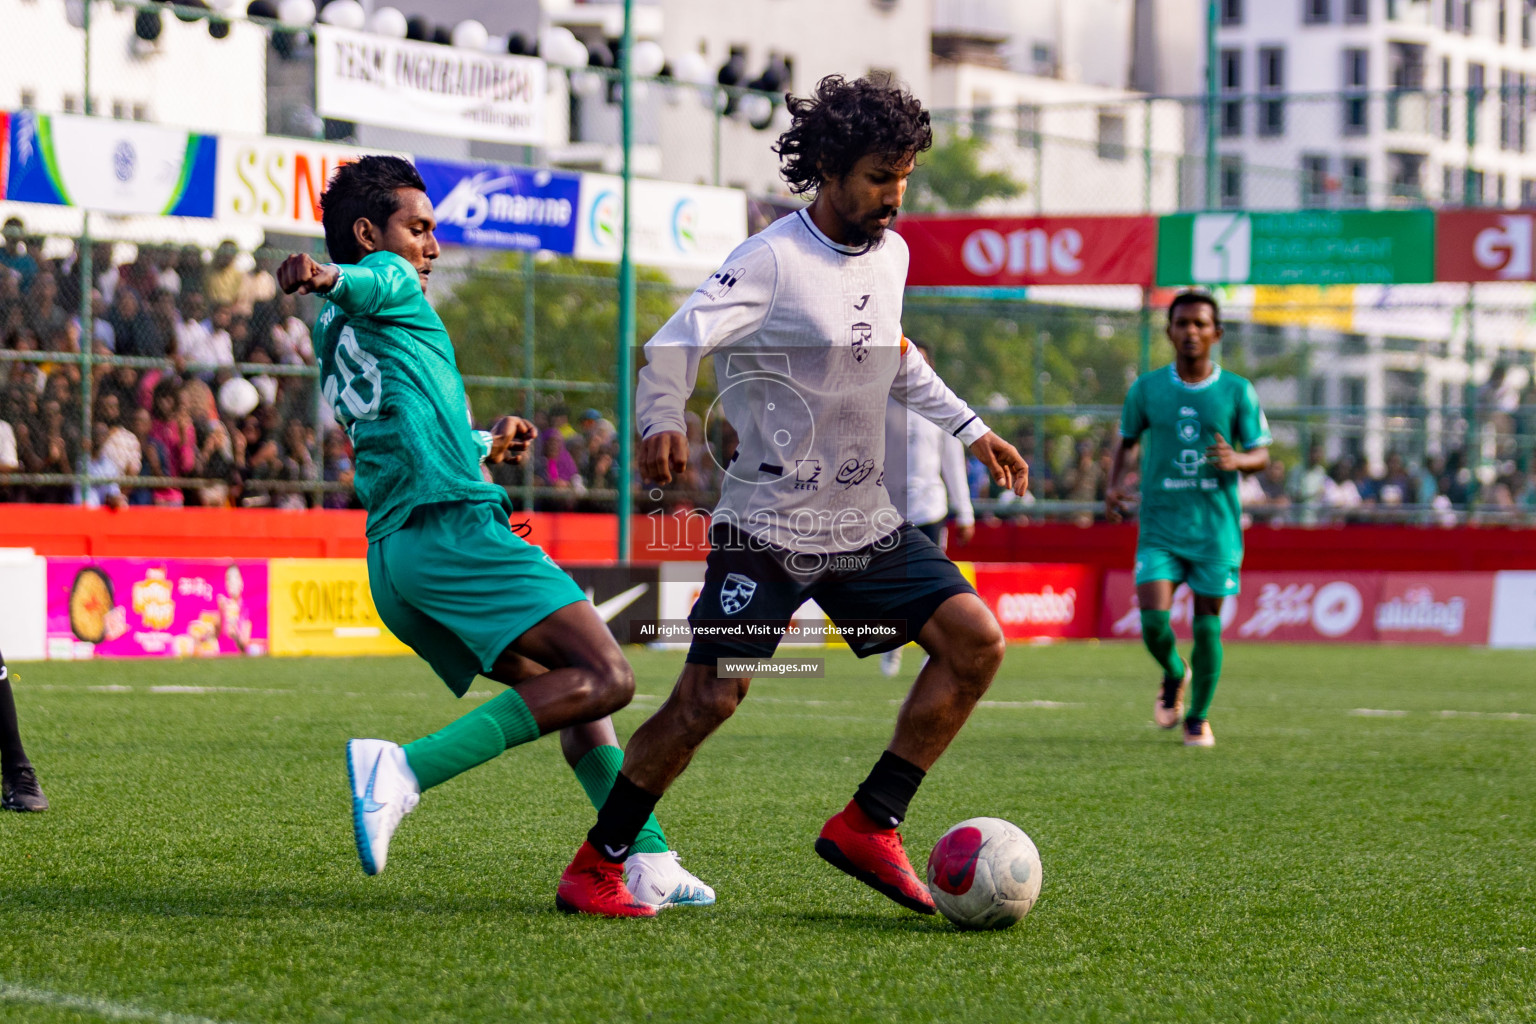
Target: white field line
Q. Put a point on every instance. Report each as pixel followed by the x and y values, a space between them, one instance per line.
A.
pixel 1505 715
pixel 1378 712
pixel 104 1008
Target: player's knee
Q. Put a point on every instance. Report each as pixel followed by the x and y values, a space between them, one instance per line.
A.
pixel 613 682
pixel 712 702
pixel 979 653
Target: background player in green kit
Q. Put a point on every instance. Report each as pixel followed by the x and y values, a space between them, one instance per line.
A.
pixel 1202 426
pixel 447 574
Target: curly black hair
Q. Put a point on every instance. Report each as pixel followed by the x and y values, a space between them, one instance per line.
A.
pixel 843 121
pixel 364 188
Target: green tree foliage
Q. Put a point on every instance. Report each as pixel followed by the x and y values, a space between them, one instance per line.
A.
pixel 949 177
pixel 575 323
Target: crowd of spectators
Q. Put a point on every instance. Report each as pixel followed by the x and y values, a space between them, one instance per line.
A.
pixel 193 414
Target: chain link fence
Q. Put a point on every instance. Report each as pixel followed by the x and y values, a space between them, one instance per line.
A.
pixel 150 360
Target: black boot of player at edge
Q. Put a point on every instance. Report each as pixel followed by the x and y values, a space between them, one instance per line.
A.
pixel 19 790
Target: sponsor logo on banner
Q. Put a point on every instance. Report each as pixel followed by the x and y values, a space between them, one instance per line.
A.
pixel 155 608
pixel 1474 246
pixel 324 606
pixel 1015 251
pixel 1121 614
pixel 97 163
pixel 276 183
pixel 441 90
pixel 1040 601
pixel 503 207
pixel 1430 608
pixel 621 594
pixel 672 224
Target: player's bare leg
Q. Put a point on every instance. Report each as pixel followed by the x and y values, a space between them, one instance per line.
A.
pixel 965 648
pixel 662 747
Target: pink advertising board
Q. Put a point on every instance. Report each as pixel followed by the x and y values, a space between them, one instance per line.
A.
pixel 156 607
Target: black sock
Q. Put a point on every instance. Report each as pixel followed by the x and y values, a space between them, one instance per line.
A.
pixel 12 756
pixel 621 818
pixel 892 784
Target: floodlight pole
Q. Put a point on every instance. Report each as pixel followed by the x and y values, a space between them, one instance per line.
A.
pixel 626 339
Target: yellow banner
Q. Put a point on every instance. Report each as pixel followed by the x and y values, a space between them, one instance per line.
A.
pixel 1305 305
pixel 322 606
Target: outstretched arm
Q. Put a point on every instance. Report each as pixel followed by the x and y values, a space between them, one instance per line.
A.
pixel 1116 500
pixel 387 284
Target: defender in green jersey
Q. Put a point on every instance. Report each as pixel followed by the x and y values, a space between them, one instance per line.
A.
pixel 1182 417
pixel 448 575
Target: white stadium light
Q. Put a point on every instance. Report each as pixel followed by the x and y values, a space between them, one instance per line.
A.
pixel 469 34
pixel 296 12
pixel 388 21
pixel 344 14
pixel 648 59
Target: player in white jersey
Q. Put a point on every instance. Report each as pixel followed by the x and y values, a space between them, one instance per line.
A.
pixel 804 323
pixel 927 485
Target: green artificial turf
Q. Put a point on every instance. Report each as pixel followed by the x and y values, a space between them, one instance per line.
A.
pixel 1317 865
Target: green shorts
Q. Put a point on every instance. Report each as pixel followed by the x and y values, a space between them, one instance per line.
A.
pixel 459 586
pixel 1208 579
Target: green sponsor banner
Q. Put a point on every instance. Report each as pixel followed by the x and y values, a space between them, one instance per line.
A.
pixel 1316 247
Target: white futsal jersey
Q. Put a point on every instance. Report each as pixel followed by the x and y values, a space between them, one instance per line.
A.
pixel 808 346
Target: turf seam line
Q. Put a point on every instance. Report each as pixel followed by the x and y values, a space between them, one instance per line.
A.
pixel 90 1004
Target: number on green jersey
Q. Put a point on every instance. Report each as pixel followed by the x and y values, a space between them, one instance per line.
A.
pixel 354 391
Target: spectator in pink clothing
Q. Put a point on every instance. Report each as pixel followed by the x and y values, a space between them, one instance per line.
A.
pixel 172 429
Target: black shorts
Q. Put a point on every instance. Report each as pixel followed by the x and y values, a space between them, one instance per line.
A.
pixel 901 579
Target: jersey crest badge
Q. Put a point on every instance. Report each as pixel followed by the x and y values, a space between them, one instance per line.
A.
pixel 736 593
pixel 863 334
pixel 1188 430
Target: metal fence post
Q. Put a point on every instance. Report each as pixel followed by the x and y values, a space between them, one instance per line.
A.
pixel 87 275
pixel 529 395
pixel 626 294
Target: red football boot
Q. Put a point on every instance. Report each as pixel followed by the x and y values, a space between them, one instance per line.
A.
pixel 851 842
pixel 592 884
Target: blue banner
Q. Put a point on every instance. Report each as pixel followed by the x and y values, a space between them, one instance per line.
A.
pixel 501 207
pixel 114 166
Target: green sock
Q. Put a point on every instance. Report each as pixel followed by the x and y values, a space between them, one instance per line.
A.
pixel 1157 634
pixel 500 724
pixel 1207 665
pixel 596 771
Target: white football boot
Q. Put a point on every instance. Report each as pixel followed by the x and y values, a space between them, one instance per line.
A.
pixel 660 880
pixel 890 663
pixel 384 790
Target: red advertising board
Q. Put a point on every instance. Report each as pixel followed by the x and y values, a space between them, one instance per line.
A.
pixel 1435 608
pixel 1474 246
pixel 990 252
pixel 1319 607
pixel 1032 602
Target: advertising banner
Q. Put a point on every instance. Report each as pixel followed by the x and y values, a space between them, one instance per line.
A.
pixel 23 605
pixel 621 594
pixel 1514 610
pixel 155 608
pixel 276 183
pixel 1274 606
pixel 1314 247
pixel 1475 246
pixel 502 207
pixel 425 87
pixel 1041 601
pixel 97 163
pixel 1317 607
pixel 673 225
pixel 1434 608
pixel 969 252
pixel 323 606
